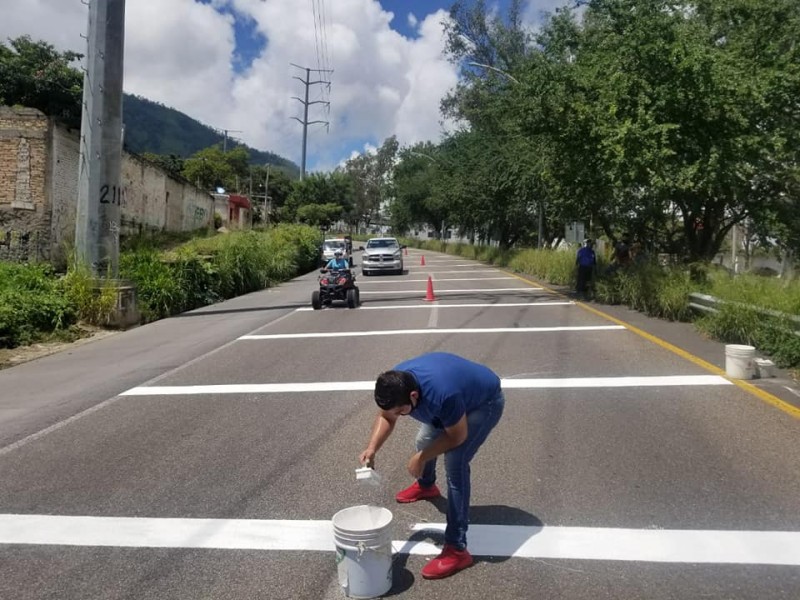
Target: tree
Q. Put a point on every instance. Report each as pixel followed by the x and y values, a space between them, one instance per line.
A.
pixel 330 194
pixel 172 164
pixel 212 168
pixel 371 177
pixel 34 74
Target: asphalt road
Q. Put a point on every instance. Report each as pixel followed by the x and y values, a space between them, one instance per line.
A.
pixel 165 462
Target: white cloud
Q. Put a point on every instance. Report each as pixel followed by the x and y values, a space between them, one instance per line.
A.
pixel 413 21
pixel 181 53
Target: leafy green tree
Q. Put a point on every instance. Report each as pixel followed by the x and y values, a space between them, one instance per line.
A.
pixel 211 168
pixel 322 190
pixel 319 215
pixel 36 75
pixel 371 180
pixel 172 164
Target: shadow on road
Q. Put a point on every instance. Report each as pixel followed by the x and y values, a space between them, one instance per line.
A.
pixel 230 311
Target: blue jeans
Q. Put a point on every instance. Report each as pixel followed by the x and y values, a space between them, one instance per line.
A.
pixel 480 423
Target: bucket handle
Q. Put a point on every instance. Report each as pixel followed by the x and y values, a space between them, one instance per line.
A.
pixel 362 548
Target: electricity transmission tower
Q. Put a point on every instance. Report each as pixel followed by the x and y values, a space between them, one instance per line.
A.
pixel 225 133
pixel 305 122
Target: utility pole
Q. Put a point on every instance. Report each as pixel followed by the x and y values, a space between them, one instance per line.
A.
pixel 99 187
pixel 541 224
pixel 266 196
pixel 305 122
pixel 225 133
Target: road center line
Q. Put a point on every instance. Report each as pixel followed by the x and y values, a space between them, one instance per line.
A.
pixel 361 386
pixel 343 334
pixel 568 543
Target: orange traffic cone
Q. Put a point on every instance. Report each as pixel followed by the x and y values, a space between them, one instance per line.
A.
pixel 422 261
pixel 429 297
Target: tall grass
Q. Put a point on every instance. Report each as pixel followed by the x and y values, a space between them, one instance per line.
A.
pixel 208 269
pixel 32 303
pixel 664 292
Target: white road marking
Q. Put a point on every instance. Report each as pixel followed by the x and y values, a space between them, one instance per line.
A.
pixel 433 319
pixel 360 386
pixel 108 402
pixel 568 543
pixel 462 271
pixel 465 291
pixel 438 305
pixel 342 334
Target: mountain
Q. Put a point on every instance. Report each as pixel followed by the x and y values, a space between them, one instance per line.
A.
pixel 153 127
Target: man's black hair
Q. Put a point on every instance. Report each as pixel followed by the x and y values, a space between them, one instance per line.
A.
pixel 393 389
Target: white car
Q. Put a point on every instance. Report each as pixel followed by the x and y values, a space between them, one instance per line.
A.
pixel 382 254
pixel 331 246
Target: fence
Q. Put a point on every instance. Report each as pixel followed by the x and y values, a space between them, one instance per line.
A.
pixel 706 304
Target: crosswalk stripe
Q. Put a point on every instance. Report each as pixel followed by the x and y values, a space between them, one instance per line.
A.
pixel 343 334
pixel 360 386
pixel 569 543
pixel 439 305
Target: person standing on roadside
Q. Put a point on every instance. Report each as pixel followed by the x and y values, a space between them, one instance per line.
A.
pixel 457 402
pixel 586 261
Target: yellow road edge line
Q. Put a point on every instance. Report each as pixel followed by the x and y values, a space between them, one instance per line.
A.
pixel 748 387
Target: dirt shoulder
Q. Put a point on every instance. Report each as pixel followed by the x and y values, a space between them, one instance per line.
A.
pixel 11 357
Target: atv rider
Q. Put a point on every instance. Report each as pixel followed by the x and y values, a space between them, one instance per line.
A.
pixel 337 263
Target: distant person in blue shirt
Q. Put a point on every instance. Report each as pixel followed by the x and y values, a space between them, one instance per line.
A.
pixel 458 403
pixel 337 263
pixel 586 261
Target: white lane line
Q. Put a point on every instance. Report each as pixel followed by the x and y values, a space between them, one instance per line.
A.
pixel 461 271
pixel 360 386
pixel 343 334
pixel 438 305
pixel 433 318
pixel 569 543
pixel 372 282
pixel 465 291
pixel 108 402
pixel 633 545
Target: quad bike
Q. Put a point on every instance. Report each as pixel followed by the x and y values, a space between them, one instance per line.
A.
pixel 335 285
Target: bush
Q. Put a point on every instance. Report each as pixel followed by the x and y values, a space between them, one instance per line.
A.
pixel 32 304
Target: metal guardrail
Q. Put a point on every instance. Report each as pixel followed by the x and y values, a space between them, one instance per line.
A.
pixel 704 303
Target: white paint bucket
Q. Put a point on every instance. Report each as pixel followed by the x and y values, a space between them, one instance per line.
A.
pixel 363 537
pixel 739 361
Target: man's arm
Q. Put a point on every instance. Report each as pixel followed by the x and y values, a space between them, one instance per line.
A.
pixel 450 438
pixel 381 430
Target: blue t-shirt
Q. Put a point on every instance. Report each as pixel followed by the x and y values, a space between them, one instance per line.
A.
pixel 450 387
pixel 586 257
pixel 337 264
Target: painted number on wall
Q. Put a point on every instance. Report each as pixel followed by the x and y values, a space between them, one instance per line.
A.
pixel 111 195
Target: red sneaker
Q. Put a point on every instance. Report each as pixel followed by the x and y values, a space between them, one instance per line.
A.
pixel 416 492
pixel 449 562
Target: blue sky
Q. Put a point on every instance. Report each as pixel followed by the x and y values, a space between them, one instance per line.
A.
pixel 226 63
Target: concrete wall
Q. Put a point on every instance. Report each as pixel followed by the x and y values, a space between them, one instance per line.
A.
pixel 24 207
pixel 39 163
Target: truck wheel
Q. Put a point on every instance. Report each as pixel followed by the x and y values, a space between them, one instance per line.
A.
pixel 316 301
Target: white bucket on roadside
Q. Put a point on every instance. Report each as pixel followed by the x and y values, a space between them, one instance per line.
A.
pixel 739 362
pixel 764 367
pixel 363 538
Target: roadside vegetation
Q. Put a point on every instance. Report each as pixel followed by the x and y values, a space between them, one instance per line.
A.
pixel 172 274
pixel 757 311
